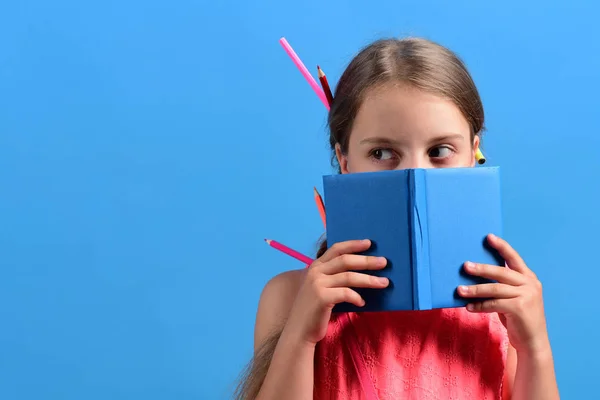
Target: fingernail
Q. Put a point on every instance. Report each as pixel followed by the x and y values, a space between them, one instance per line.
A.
pixel 381 261
pixel 383 281
pixel 470 307
pixel 464 289
pixel 492 236
pixel 469 265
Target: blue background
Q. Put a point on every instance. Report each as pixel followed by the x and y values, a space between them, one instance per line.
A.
pixel 147 148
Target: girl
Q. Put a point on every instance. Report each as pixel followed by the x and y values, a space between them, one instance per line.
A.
pixel 401 104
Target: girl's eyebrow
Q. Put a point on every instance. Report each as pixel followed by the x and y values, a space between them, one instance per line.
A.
pixel 376 140
pixel 447 137
pixel 380 141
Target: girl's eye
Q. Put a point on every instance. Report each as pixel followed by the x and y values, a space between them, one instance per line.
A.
pixel 440 152
pixel 382 154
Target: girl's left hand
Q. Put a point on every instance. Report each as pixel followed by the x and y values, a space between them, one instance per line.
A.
pixel 517 297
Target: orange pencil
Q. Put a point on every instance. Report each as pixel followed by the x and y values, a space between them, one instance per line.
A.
pixel 286 250
pixel 325 85
pixel 321 207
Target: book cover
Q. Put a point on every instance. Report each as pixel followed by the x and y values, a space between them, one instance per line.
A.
pixel 426 222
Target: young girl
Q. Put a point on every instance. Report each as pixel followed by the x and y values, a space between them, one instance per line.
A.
pixel 401 104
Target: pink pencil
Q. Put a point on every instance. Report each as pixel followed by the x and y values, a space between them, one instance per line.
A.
pixel 309 78
pixel 289 252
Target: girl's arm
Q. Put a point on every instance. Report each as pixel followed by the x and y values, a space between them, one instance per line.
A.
pixel 517 298
pixel 530 376
pixel 303 301
pixel 290 374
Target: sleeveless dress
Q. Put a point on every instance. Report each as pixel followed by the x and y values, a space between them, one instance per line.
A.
pixel 441 354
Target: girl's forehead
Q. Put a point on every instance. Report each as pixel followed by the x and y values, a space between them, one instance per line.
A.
pixel 404 113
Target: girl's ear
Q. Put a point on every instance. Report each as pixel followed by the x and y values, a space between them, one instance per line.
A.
pixel 341 158
pixel 476 143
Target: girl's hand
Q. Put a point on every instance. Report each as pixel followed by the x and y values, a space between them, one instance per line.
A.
pixel 517 297
pixel 327 283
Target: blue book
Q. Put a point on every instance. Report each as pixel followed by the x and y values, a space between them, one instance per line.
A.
pixel 426 222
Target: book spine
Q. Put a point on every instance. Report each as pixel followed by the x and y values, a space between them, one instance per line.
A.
pixel 419 241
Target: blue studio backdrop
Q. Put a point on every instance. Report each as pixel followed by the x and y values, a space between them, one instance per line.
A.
pixel 148 147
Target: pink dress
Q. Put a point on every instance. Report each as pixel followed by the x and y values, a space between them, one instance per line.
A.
pixel 443 354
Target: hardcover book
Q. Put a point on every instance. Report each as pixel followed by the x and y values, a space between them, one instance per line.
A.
pixel 426 222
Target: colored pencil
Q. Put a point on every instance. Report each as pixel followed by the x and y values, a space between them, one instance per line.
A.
pixel 304 71
pixel 286 250
pixel 325 85
pixel 321 207
pixel 479 157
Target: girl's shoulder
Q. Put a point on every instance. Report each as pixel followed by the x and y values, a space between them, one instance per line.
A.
pixel 275 303
pixel 283 286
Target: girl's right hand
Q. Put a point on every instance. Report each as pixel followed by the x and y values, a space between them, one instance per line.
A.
pixel 328 281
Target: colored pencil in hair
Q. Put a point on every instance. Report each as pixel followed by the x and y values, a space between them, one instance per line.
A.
pixel 290 252
pixel 325 85
pixel 304 71
pixel 321 207
pixel 479 157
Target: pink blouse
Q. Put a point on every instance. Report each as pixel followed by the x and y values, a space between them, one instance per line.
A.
pixel 442 354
